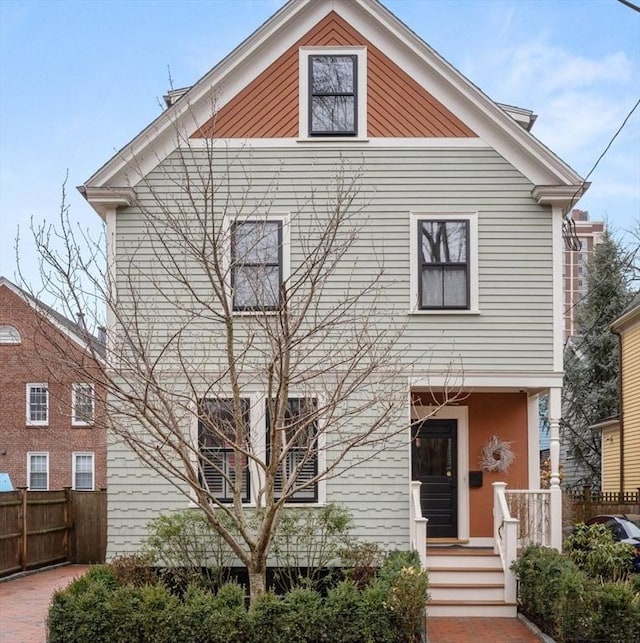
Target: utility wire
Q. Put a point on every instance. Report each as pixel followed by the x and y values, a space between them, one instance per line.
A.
pixel 626 3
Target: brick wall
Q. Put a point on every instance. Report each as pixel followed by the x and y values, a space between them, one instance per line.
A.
pixel 45 355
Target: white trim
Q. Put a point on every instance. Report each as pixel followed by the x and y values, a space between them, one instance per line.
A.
pixel 334 142
pixel 461 415
pixel 74 391
pixel 361 89
pixel 111 290
pixel 478 541
pixel 557 245
pixel 435 214
pixel 74 465
pixel 533 441
pixel 29 386
pixel 504 381
pixel 29 456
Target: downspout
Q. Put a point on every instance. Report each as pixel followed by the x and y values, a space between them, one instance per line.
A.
pixel 620 409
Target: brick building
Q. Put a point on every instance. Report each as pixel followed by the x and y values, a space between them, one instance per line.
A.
pixel 51 433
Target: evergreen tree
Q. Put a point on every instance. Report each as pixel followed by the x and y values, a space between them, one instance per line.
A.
pixel 591 358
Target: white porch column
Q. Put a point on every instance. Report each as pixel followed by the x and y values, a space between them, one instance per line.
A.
pixel 555 412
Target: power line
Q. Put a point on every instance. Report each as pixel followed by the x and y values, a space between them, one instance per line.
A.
pixel 626 3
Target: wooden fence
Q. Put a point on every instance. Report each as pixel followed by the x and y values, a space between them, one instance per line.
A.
pixel 588 503
pixel 40 528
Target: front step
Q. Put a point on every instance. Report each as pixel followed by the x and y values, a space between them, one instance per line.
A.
pixel 466 581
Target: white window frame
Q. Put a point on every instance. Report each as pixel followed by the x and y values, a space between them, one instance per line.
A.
pixel 9 334
pixel 31 454
pixel 266 217
pixel 30 386
pixel 361 89
pixel 258 428
pixel 414 281
pixel 75 421
pixel 74 469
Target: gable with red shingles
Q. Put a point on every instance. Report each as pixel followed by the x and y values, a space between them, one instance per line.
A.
pixel 397 105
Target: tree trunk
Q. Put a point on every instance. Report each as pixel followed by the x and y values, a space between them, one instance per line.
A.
pixel 257 579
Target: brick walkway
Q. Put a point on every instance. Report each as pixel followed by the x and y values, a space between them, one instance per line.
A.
pixel 24 602
pixel 478 630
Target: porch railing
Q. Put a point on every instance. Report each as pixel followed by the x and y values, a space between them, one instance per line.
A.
pixel 505 538
pixel 532 508
pixel 418 524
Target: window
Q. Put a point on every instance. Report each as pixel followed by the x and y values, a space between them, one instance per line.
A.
pixel 333 95
pixel 38 471
pixel 444 263
pixel 216 436
pixel 300 434
pixel 9 335
pixel 257 264
pixel 82 471
pixel 82 404
pixel 37 404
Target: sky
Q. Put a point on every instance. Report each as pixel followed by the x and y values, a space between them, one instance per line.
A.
pixel 79 79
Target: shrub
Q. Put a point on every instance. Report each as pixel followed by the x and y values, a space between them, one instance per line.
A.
pixel 616 616
pixel 267 619
pixel 593 549
pixel 133 569
pixel 361 562
pixel 344 612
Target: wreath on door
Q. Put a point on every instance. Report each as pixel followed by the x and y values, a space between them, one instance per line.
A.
pixel 497 455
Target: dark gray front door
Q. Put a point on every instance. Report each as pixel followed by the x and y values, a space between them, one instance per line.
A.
pixel 434 463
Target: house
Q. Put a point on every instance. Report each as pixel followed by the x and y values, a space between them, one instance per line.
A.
pixel 457 221
pixel 621 435
pixel 49 438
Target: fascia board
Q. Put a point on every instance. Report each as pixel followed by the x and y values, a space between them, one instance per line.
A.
pixel 392 37
pixel 626 319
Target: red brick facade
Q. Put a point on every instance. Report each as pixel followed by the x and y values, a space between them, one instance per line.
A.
pixel 34 360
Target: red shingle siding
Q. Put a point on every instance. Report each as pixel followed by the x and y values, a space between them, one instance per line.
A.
pixel 27 363
pixel 397 105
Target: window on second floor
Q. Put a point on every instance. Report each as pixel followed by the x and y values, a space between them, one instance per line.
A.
pixel 217 435
pixel 83 404
pixel 256 264
pixel 38 471
pixel 37 404
pixel 300 462
pixel 9 334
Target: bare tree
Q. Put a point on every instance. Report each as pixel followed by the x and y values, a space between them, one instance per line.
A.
pixel 221 310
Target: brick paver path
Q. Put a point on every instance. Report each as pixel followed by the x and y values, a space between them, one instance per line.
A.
pixel 24 602
pixel 478 630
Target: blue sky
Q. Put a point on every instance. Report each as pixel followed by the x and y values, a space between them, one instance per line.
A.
pixel 79 79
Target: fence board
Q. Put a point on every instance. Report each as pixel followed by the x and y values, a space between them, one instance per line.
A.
pixel 89 510
pixel 587 503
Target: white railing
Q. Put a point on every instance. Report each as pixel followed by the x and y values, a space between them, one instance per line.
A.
pixel 417 524
pixel 505 538
pixel 532 508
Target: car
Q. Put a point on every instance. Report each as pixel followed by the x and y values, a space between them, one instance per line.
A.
pixel 624 530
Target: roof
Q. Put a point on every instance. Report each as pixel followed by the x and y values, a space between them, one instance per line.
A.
pixel 501 127
pixel 71 329
pixel 628 315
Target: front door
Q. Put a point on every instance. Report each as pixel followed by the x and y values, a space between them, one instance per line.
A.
pixel 434 463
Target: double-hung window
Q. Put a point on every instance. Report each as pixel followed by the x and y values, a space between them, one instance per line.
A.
pixel 298 437
pixel 444 264
pixel 83 471
pixel 333 99
pixel 219 436
pixel 38 471
pixel 83 399
pixel 256 264
pixel 37 404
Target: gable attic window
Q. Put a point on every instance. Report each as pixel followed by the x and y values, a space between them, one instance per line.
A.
pixel 333 93
pixel 9 335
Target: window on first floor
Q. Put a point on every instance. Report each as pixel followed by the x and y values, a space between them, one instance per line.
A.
pixel 218 436
pixel 83 471
pixel 37 404
pixel 83 404
pixel 38 471
pixel 256 264
pixel 299 439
